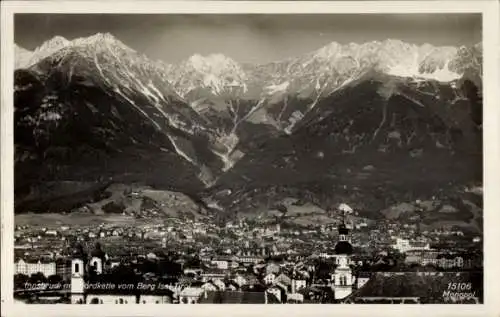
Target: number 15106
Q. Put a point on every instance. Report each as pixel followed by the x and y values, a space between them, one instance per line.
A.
pixel 459 286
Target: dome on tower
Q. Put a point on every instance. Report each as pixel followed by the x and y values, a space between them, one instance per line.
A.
pixel 78 252
pixel 98 252
pixel 343 247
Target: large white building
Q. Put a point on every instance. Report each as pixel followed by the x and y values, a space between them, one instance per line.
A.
pixel 28 268
pixel 405 245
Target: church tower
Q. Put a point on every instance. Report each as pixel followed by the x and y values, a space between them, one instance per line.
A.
pixel 98 258
pixel 78 263
pixel 342 278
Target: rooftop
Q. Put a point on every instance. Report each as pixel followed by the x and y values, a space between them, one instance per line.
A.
pixel 415 284
pixel 234 297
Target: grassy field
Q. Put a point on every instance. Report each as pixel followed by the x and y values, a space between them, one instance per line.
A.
pixel 53 220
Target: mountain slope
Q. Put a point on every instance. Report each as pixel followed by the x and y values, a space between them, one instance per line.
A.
pixel 111 101
pixel 367 147
pixel 279 94
pixel 92 109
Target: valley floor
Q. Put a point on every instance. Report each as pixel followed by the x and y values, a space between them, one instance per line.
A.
pixel 56 220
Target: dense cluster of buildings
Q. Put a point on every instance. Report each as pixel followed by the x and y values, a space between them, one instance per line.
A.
pixel 214 278
pixel 189 261
pixel 224 273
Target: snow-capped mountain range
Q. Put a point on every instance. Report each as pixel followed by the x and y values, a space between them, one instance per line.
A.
pixel 317 74
pixel 220 73
pixel 209 115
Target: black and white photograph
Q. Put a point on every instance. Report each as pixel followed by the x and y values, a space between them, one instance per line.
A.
pixel 187 158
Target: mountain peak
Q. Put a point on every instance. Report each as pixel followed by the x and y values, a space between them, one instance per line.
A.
pixel 214 71
pixel 25 58
pixel 394 42
pixel 328 51
pixel 100 41
pixel 96 38
pixel 54 44
pixel 58 39
pixel 211 62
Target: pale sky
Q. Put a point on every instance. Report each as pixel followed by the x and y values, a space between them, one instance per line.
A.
pixel 248 38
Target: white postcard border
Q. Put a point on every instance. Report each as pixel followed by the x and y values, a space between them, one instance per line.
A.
pixel 491 82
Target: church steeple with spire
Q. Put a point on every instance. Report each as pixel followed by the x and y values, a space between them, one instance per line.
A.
pixel 343 245
pixel 342 278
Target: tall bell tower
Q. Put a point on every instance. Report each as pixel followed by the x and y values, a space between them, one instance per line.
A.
pixel 78 263
pixel 97 259
pixel 342 278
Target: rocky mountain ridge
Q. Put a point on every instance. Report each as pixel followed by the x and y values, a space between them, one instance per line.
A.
pixel 94 109
pixel 220 74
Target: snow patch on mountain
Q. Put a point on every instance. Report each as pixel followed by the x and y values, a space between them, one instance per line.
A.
pixel 327 52
pixel 272 89
pixel 216 72
pixel 22 57
pixel 393 57
pixel 132 103
pixel 426 63
pixel 229 143
pixel 98 42
pixel 101 41
pixel 47 116
pixel 442 75
pixel 47 49
pixel 179 151
pixel 216 63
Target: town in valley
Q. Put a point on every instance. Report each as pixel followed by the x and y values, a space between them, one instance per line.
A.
pixel 188 261
pixel 248 158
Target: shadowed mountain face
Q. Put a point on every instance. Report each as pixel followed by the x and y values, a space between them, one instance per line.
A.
pixel 384 150
pixel 360 119
pixel 88 133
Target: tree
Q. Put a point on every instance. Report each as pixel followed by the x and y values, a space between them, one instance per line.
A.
pixel 54 279
pixel 169 267
pixel 283 209
pixel 323 270
pixel 123 273
pixel 148 267
pixel 36 278
pixel 20 280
